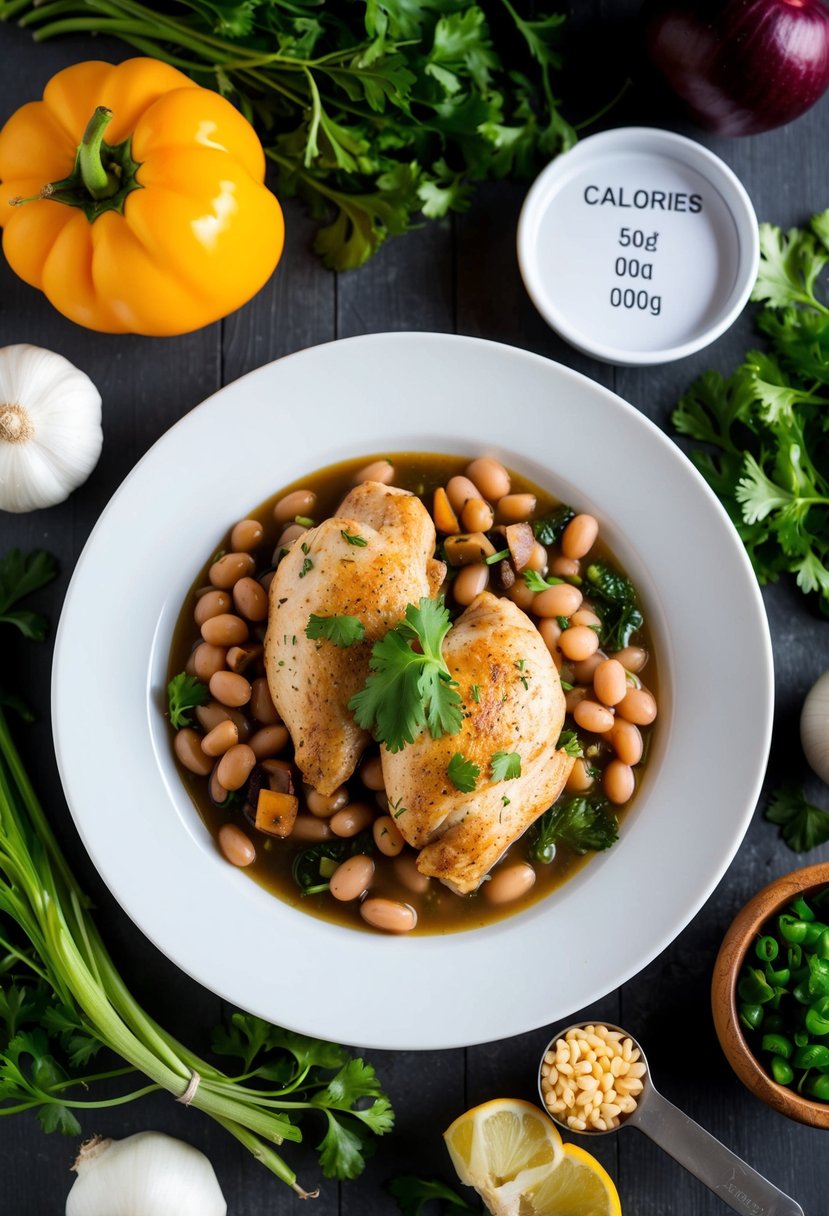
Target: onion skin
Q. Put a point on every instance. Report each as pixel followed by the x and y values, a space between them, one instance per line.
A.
pixel 741 66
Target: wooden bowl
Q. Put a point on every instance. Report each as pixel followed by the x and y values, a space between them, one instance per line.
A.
pixel 736 944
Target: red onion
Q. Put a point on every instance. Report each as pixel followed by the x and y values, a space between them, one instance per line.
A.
pixel 741 66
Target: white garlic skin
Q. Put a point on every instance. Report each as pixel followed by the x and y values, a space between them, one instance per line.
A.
pixel 814 727
pixel 148 1174
pixel 50 428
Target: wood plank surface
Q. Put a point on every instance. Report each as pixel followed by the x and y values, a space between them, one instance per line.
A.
pixel 459 275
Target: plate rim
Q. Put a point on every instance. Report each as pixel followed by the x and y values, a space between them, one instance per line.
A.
pixel 435 1038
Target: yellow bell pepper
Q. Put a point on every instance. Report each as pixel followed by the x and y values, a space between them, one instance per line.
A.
pixel 160 229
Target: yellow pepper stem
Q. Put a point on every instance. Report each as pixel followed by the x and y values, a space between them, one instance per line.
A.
pixel 100 182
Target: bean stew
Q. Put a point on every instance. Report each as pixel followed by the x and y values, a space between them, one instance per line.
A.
pixel 341 856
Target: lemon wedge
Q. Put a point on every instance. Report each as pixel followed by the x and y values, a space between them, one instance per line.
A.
pixel 513 1156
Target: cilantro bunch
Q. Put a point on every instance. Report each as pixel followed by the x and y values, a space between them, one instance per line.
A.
pixel 63 1004
pixel 372 111
pixel 764 428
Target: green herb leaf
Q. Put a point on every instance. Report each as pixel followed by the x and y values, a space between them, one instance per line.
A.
pixel 763 430
pixel 353 538
pixel 614 598
pixel 568 741
pixel 506 766
pixel 803 825
pixel 183 694
pixel 413 1194
pixel 407 690
pixel 20 575
pixel 342 630
pixel 536 581
pixel 581 823
pixel 463 773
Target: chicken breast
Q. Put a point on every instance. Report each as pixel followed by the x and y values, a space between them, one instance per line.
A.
pixel 513 703
pixel 390 566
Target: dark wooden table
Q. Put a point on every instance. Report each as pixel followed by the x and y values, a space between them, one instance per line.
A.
pixel 459 276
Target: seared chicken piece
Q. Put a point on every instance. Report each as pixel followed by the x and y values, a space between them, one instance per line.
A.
pixel 311 682
pixel 513 702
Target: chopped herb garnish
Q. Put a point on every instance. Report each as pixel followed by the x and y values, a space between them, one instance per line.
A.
pixel 536 582
pixel 463 773
pixel 506 766
pixel 568 741
pixel 563 622
pixel 476 693
pixel 353 538
pixel 408 689
pixel 504 800
pixel 579 823
pixel 306 566
pixel 496 557
pixel 304 521
pixel 342 630
pixel 183 694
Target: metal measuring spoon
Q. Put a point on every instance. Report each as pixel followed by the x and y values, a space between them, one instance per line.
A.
pixel 722 1171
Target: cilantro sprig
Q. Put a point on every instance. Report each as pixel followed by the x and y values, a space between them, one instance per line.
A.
pixel 803 825
pixel 764 448
pixel 183 694
pixel 463 773
pixel 506 766
pixel 409 689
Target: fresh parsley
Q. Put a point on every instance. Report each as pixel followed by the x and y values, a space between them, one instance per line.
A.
pixel 315 1076
pixel 463 773
pixel 353 538
pixel 407 689
pixel 506 766
pixel 20 575
pixel 803 825
pixel 581 823
pixel 537 582
pixel 183 694
pixel 413 1195
pixel 568 741
pixel 762 430
pixel 342 630
pixel 373 114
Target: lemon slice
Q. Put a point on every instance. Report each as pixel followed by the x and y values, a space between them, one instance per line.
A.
pixel 513 1156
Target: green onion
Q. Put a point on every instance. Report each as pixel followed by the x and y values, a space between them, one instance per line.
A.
pixel 785 1010
pixel 767 949
pixel 777 1044
pixel 782 1071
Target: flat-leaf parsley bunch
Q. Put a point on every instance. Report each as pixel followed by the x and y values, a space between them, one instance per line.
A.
pixel 766 427
pixel 372 111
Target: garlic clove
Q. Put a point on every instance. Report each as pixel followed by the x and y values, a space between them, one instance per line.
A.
pixel 148 1174
pixel 50 428
pixel 814 727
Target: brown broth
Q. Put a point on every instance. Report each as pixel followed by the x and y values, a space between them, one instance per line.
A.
pixel 439 910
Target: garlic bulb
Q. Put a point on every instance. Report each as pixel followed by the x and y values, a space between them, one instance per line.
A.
pixel 814 727
pixel 148 1174
pixel 50 428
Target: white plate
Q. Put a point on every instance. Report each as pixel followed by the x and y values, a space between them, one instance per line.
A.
pixel 388 393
